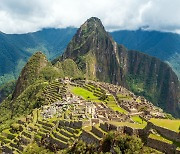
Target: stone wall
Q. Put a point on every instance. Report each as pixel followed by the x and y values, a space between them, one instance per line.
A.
pixel 86 123
pixel 161 146
pixel 89 138
pixel 95 121
pixel 112 127
pixel 6 149
pixel 73 124
pixel 77 124
pixel 104 127
pixel 164 132
pixel 56 135
pixel 129 130
pixel 61 145
pixel 97 132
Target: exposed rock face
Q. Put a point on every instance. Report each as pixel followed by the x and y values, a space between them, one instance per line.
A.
pixel 96 53
pixel 157 78
pixel 30 73
pixel 100 57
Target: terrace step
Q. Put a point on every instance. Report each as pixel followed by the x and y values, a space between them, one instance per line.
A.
pixel 44 130
pixel 60 136
pixel 98 131
pixel 25 140
pixel 6 140
pixel 38 138
pixel 50 125
pixel 2 137
pixel 90 137
pixel 16 140
pixel 42 134
pixel 46 127
pixel 16 151
pixel 61 144
pixel 7 149
pixel 26 134
pixel 13 144
pixel 71 130
pixel 66 133
pixel 21 147
pixel 15 147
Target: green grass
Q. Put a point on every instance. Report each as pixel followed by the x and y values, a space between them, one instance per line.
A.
pixel 87 128
pixel 132 125
pixel 160 138
pixel 167 123
pixel 98 127
pixel 124 97
pixel 35 112
pixel 87 95
pixel 138 119
pixel 112 104
pixel 115 107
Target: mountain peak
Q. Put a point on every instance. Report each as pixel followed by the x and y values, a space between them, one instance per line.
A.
pixel 89 37
pixel 92 23
pixel 94 20
pixel 30 72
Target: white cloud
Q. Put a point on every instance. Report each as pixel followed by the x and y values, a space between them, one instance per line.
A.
pixel 21 16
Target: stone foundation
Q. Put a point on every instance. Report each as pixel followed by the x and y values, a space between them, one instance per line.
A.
pixel 89 138
pixel 161 146
pixel 164 132
pixel 97 132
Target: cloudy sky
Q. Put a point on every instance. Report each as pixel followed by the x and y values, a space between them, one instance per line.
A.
pixel 22 16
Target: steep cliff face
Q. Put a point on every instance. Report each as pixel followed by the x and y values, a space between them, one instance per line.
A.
pixel 162 45
pixel 96 53
pixel 30 73
pixel 154 79
pixel 100 57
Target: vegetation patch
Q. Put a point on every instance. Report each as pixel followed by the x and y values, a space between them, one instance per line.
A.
pixel 160 138
pixel 132 125
pixel 111 103
pixel 87 95
pixel 138 119
pixel 173 125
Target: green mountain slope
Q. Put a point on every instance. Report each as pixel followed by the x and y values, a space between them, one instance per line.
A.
pixel 165 46
pixel 113 63
pixel 30 73
pixel 15 49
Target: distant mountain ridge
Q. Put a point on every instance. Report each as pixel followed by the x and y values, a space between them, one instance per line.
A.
pixel 163 45
pixel 15 49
